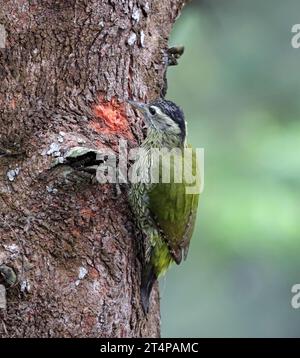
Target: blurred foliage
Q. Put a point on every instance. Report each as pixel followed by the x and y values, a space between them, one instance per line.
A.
pixel 238 83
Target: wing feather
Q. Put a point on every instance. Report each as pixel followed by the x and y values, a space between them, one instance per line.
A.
pixel 175 213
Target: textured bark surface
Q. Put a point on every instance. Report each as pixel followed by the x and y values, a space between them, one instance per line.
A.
pixel 70 241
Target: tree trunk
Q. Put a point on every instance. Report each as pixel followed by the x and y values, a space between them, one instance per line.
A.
pixel 65 71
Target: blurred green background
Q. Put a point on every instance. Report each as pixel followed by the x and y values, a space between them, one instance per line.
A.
pixel 239 84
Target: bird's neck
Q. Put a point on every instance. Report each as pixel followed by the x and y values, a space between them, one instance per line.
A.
pixel 162 140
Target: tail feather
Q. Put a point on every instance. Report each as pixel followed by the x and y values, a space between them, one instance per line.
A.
pixel 148 279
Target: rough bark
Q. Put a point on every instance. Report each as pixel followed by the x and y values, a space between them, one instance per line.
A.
pixel 67 67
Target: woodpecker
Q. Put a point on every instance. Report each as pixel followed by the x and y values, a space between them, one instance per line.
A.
pixel 164 211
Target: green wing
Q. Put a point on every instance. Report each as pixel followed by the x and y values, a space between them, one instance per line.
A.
pixel 174 209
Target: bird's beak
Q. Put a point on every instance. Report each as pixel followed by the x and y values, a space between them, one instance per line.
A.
pixel 143 108
pixel 138 105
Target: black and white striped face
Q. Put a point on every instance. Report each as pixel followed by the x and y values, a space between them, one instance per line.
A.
pixel 164 116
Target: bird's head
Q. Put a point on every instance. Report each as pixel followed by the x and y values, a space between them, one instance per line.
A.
pixel 163 117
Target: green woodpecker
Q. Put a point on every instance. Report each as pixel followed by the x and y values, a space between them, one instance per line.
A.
pixel 165 212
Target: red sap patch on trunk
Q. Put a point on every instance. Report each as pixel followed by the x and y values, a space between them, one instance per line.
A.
pixel 110 118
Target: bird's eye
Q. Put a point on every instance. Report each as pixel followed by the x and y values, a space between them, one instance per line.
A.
pixel 152 110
